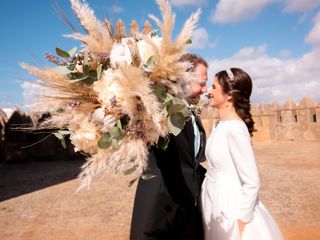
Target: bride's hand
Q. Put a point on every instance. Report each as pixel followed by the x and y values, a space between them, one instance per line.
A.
pixel 241 226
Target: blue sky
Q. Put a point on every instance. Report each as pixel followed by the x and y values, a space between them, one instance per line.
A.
pixel 276 41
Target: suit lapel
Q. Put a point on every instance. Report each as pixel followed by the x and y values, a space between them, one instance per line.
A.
pixel 189 134
pixel 202 141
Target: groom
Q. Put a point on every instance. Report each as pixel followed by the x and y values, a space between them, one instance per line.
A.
pixel 167 206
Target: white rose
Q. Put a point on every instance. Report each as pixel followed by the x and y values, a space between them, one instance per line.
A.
pixel 98 116
pixel 108 122
pixel 104 121
pixel 120 54
pixel 106 87
pixel 146 50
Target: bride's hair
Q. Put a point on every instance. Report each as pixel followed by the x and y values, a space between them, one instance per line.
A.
pixel 238 84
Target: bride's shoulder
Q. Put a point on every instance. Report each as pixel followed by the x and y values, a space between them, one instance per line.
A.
pixel 232 123
pixel 236 126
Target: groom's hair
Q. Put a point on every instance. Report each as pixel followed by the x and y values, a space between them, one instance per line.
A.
pixel 194 59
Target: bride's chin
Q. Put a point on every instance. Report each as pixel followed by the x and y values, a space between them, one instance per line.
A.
pixel 212 104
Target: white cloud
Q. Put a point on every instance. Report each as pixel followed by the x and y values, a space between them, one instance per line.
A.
pixel 230 11
pixel 275 78
pixel 116 9
pixel 200 39
pixel 285 53
pixel 29 91
pixel 278 78
pixel 300 5
pixel 314 35
pixel 187 2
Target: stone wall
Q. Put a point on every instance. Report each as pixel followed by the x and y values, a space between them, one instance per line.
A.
pixel 20 143
pixel 292 121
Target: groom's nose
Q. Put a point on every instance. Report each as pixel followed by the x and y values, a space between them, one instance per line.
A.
pixel 204 89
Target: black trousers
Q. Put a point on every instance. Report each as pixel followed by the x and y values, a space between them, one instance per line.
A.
pixel 156 216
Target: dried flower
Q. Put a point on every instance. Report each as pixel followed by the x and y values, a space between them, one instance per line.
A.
pixel 120 54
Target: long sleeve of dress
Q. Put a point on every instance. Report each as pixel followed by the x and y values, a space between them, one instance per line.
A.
pixel 243 157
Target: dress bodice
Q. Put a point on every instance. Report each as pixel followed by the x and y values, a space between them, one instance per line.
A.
pixel 232 163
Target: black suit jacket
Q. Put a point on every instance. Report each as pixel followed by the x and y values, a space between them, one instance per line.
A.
pixel 167 206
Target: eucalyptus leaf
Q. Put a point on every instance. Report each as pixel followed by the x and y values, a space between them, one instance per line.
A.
pixel 85 68
pixel 99 71
pixel 177 100
pixel 63 143
pixel 115 132
pixel 150 61
pixel 185 111
pixel 76 75
pixel 72 66
pixel 63 70
pixel 189 41
pixel 83 153
pixel 175 108
pixel 115 143
pixel 89 80
pixel 132 181
pixel 178 105
pixel 118 124
pixel 163 143
pixel 105 141
pixel 160 91
pixel 93 74
pixel 77 79
pixel 62 53
pixel 85 59
pixel 154 32
pixel 130 170
pixel 176 123
pixel 165 112
pixel 147 68
pixel 64 132
pixel 58 135
pixel 147 176
pixel 72 51
pixel 169 97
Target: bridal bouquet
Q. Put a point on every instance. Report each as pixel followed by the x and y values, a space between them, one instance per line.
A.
pixel 117 96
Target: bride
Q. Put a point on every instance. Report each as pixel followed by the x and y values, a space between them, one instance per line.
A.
pixel 230 204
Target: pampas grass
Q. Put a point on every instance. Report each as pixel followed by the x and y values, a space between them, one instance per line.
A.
pixel 99 38
pixel 168 66
pixel 140 88
pixel 56 87
pixel 94 168
pixel 132 153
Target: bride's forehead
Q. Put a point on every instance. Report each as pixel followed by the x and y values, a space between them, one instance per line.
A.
pixel 215 81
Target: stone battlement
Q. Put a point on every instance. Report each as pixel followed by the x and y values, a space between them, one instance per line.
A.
pixel 292 121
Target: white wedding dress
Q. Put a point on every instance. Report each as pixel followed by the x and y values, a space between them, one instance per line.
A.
pixel 231 186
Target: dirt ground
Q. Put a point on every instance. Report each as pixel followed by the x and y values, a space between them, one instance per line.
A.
pixel 38 199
